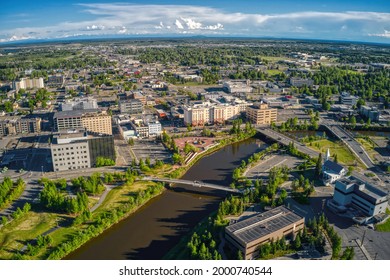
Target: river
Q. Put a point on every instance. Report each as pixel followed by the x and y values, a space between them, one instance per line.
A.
pixel 157 227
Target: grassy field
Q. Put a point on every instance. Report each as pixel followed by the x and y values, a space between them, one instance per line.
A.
pixel 344 155
pixel 386 225
pixel 273 58
pixel 15 235
pixel 273 72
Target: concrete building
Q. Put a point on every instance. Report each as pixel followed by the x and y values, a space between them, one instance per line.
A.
pixel 247 235
pixel 261 114
pixel 131 106
pixel 154 129
pixel 351 191
pixel 348 99
pixel 300 82
pixel 77 149
pixel 237 86
pixel 93 120
pixel 12 125
pixel 371 113
pixel 55 80
pixel 75 104
pixel 70 151
pixel 25 83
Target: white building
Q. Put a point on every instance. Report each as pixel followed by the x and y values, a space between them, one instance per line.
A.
pixel 25 83
pixel 331 171
pixel 238 86
pixel 348 99
pixel 154 128
pixel 79 104
pixel 351 191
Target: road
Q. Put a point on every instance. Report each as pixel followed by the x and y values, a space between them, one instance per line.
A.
pixel 283 139
pixel 351 143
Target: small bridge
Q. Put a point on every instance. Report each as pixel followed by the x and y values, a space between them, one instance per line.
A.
pixel 195 183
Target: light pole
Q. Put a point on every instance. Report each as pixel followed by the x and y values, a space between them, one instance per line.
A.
pixel 42 170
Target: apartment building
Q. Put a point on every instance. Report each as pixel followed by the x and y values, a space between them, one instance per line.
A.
pixel 12 125
pixel 261 114
pixel 93 120
pixel 202 113
pixel 26 83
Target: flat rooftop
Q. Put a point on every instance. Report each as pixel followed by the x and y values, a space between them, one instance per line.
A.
pixel 263 224
pixel 368 191
pixel 74 113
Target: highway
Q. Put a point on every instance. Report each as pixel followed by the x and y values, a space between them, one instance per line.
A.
pixel 351 143
pixel 283 139
pixel 199 184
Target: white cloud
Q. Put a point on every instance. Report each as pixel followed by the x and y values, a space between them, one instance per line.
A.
pixel 385 34
pixel 179 24
pixel 122 18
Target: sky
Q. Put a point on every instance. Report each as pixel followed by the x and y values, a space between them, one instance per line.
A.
pixel 357 20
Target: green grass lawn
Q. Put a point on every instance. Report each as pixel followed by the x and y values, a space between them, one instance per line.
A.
pixel 344 155
pixel 273 72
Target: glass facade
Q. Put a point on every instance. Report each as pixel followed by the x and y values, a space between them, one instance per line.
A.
pixel 101 147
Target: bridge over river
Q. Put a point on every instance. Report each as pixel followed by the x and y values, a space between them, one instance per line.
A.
pixel 195 183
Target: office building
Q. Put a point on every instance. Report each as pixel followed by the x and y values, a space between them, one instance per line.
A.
pixel 247 235
pixel 12 125
pixel 261 114
pixel 131 106
pixel 237 86
pixel 78 149
pixel 351 191
pixel 93 120
pixel 300 82
pixel 348 99
pixel 371 113
pixel 55 80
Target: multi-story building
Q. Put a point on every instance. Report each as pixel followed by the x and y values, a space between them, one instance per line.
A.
pixel 131 106
pixel 371 113
pixel 247 235
pixel 154 128
pixel 11 125
pixel 300 82
pixel 238 86
pixel 261 114
pixel 76 149
pixel 202 113
pixel 25 83
pixel 348 99
pixel 70 151
pixel 79 104
pixel 370 199
pixel 55 80
pixel 92 120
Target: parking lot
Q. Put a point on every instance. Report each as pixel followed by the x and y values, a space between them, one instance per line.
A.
pixel 261 170
pixel 150 148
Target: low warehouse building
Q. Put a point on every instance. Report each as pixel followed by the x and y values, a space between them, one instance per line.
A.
pixel 247 235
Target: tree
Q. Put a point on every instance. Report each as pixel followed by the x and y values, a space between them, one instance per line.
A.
pixel 131 141
pixel 319 165
pixel 352 121
pixel 335 158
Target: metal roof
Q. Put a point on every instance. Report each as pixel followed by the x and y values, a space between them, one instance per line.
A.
pixel 263 224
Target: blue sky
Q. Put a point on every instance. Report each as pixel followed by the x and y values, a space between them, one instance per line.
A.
pixel 302 19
